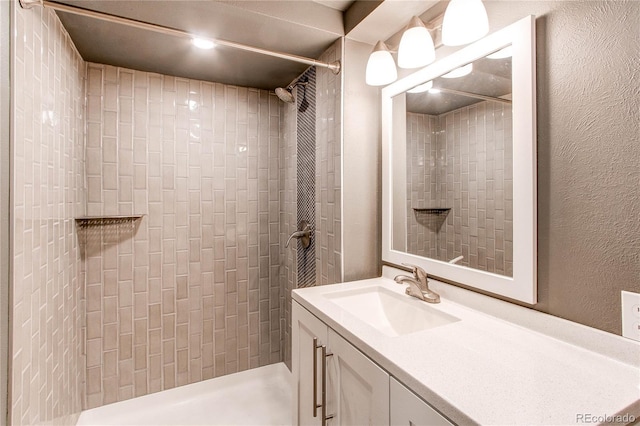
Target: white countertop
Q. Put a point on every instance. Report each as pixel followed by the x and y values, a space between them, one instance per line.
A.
pixel 502 364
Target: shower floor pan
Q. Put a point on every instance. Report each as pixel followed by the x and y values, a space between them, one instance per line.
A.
pixel 261 396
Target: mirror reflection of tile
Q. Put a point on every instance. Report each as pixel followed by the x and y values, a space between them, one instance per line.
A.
pixel 462 160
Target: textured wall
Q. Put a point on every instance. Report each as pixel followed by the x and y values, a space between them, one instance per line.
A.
pixel 48 192
pixel 588 159
pixel 192 291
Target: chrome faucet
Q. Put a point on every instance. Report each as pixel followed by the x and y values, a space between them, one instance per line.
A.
pixel 413 289
pixel 418 285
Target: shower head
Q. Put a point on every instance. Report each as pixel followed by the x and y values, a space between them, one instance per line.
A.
pixel 286 95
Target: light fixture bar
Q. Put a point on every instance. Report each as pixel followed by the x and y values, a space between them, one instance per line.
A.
pixel 435 23
pixel 474 95
pixel 28 4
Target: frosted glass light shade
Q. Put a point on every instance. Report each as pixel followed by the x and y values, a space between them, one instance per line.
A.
pixel 416 46
pixel 465 21
pixel 422 88
pixel 381 69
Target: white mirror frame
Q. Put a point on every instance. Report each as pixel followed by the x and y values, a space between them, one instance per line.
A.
pixel 523 285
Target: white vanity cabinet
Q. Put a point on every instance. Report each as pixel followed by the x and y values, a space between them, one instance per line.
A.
pixel 353 389
pixel 358 388
pixel 407 409
pixel 350 389
pixel 308 333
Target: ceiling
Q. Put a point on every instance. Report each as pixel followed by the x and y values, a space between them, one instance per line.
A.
pixel 299 27
pixel 490 77
pixel 304 27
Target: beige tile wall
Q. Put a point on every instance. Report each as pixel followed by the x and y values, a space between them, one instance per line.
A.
pixel 328 183
pixel 475 152
pixel 329 170
pixel 48 167
pixel 192 291
pixel 422 227
pixel 465 164
pixel 288 215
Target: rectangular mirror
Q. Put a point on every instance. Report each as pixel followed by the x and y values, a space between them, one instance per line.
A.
pixel 459 166
pixel 457 184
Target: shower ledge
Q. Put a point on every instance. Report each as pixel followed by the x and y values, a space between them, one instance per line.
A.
pixel 87 221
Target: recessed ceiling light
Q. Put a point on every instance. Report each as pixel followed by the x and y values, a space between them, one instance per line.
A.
pixel 434 91
pixel 203 43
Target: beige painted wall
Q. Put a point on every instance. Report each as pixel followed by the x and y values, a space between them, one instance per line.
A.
pixel 361 165
pixel 588 154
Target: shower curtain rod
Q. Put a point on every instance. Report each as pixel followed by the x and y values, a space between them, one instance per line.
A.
pixel 28 4
pixel 473 95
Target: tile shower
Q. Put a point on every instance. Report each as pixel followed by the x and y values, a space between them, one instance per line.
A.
pixel 462 160
pixel 196 288
pixel 47 362
pixel 325 213
pixel 191 291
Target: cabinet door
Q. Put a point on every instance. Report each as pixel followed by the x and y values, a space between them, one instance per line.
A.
pixel 358 391
pixel 407 409
pixel 306 327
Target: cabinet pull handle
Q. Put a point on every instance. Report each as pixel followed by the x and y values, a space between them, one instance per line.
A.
pixel 315 376
pixel 325 355
pixel 323 405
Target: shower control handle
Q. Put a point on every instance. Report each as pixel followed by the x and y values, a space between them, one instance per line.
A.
pixel 303 233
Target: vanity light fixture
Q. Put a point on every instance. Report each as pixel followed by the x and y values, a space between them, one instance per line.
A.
pixel 502 53
pixel 203 43
pixel 416 46
pixel 422 88
pixel 465 21
pixel 459 72
pixel 381 69
pixel 416 50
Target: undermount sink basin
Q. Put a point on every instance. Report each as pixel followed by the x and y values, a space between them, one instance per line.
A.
pixel 391 313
